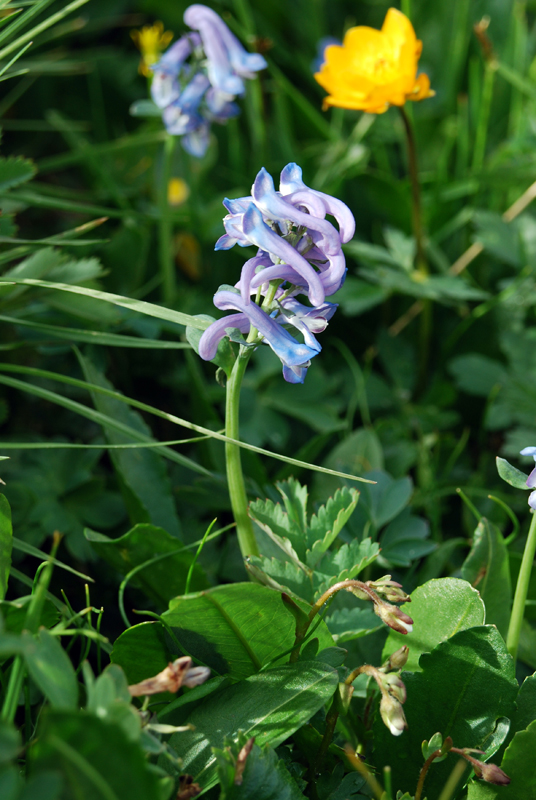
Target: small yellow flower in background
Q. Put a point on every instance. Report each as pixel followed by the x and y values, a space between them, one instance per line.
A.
pixel 188 255
pixel 373 69
pixel 177 192
pixel 151 41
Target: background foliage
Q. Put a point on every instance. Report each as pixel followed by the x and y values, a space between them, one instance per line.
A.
pixel 420 401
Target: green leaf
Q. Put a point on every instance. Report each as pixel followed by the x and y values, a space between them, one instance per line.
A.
pixel 142 471
pixel 96 759
pixel 518 763
pixel 487 569
pixel 269 706
pixel 477 374
pixel 526 705
pixel 285 576
pixel 346 624
pixel 6 544
pixel 359 452
pixel 404 540
pixel 511 475
pixel 144 650
pixel 14 171
pixel 344 564
pixel 235 629
pixel 161 580
pixel 141 306
pixel 328 522
pixel 11 784
pixel 265 776
pixel 225 355
pixel 10 742
pixel 280 527
pixel 50 668
pixel 466 684
pixel 439 609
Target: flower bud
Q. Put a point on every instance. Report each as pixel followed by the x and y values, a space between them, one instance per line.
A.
pixel 395 686
pixel 178 673
pixel 394 617
pixel 389 589
pixel 490 773
pixel 396 660
pixel 196 676
pixel 392 714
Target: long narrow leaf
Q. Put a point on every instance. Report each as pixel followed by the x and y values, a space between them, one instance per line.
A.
pixel 150 410
pixel 96 337
pixel 150 309
pixel 47 23
pixel 99 418
pixel 30 550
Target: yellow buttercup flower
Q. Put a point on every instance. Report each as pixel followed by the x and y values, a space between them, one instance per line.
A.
pixel 151 41
pixel 373 69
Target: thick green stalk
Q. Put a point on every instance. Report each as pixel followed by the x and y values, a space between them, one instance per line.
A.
pixel 235 477
pixel 522 588
pixel 165 226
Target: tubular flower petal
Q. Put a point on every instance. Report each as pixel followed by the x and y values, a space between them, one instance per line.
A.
pixel 228 61
pixel 291 182
pixel 291 352
pixel 298 252
pixel 274 206
pixel 196 81
pixel 373 69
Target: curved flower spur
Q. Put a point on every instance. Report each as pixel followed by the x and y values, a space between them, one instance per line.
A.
pixel 299 253
pixel 197 80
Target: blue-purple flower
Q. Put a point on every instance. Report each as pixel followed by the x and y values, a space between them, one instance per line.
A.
pixel 531 480
pixel 197 79
pixel 299 253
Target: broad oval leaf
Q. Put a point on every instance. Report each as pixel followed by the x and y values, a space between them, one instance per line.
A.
pixel 439 609
pixel 165 577
pixel 270 706
pixel 466 684
pixel 235 629
pixel 487 569
pixel 518 763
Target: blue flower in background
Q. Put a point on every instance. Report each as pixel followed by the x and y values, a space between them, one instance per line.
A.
pixel 299 253
pixel 531 480
pixel 326 41
pixel 196 80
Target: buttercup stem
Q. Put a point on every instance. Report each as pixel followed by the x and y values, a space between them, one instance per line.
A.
pixel 165 226
pixel 522 588
pixel 235 477
pixel 416 211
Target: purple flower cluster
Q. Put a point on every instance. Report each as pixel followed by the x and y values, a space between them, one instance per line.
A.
pixel 197 79
pixel 299 253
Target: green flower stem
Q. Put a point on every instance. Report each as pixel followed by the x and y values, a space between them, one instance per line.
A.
pixel 522 588
pixel 165 226
pixel 416 208
pixel 235 477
